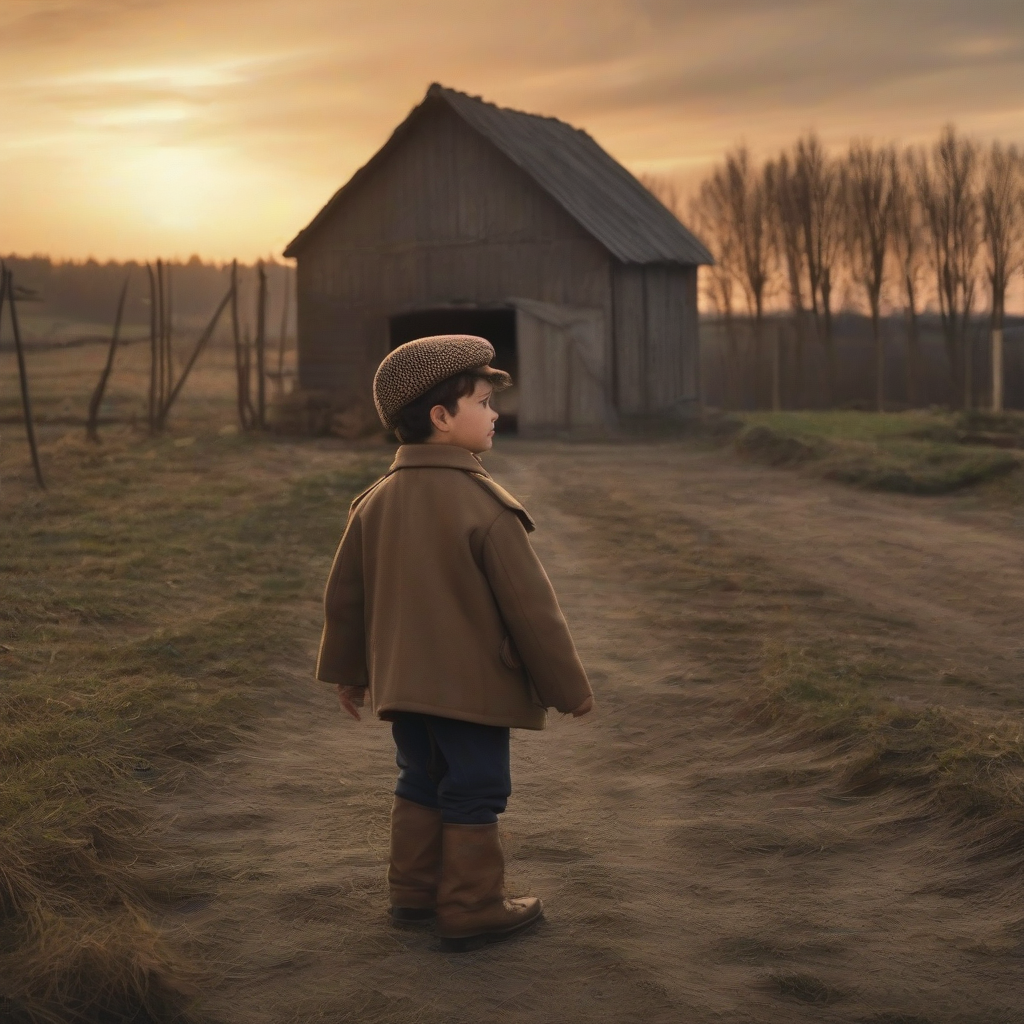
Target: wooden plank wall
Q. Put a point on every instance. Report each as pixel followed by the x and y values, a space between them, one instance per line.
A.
pixel 656 337
pixel 444 219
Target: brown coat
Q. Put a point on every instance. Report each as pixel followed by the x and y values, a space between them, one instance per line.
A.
pixel 437 601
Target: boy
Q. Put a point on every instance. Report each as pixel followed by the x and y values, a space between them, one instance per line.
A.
pixel 437 604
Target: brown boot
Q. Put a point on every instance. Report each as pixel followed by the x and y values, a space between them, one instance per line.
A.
pixel 471 905
pixel 415 862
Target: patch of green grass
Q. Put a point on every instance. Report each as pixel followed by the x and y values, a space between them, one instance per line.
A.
pixel 913 453
pixel 845 424
pixel 148 597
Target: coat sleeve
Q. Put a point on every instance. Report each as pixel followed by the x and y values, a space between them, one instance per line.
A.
pixel 530 609
pixel 342 656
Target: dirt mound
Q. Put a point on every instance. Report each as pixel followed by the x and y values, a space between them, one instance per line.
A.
pixel 762 444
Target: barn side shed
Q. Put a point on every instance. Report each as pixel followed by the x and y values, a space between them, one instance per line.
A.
pixel 477 219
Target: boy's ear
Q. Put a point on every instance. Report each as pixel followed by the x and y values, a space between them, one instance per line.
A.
pixel 439 418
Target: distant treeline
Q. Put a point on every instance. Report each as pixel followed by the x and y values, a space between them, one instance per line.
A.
pixel 878 228
pixel 86 293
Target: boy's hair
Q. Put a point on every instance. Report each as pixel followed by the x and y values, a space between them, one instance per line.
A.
pixel 412 422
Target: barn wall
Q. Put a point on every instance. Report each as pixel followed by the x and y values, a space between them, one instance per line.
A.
pixel 444 218
pixel 656 337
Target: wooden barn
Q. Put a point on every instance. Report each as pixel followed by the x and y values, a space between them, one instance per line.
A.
pixel 475 219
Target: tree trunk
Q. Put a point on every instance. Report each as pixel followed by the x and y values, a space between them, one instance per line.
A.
pixel 830 348
pixel 797 397
pixel 997 370
pixel 968 351
pixel 876 333
pixel 912 355
pixel 777 369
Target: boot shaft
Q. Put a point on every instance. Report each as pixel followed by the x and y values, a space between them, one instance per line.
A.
pixel 415 863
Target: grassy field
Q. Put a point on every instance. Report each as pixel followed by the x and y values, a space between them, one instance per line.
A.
pixel 153 593
pixel 148 596
pixel 919 452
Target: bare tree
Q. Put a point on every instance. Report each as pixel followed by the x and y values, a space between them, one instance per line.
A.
pixel 786 237
pixel 947 188
pixel 735 204
pixel 740 193
pixel 1001 202
pixel 818 195
pixel 710 216
pixel 909 248
pixel 868 176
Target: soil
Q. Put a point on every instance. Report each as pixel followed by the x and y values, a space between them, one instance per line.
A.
pixel 693 867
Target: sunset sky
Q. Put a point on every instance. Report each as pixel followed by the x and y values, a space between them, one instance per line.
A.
pixel 137 128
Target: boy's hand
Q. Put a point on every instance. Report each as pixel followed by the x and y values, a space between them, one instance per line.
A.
pixel 352 698
pixel 586 706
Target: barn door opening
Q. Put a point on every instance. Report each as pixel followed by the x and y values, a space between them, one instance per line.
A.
pixel 563 367
pixel 498 326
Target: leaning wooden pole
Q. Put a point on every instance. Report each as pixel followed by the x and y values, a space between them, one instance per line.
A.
pixel 26 403
pixel 261 347
pixel 196 352
pixel 91 431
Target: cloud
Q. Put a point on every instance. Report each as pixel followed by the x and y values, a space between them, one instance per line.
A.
pixel 256 95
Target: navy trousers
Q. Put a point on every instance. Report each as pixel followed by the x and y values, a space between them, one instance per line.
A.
pixel 461 767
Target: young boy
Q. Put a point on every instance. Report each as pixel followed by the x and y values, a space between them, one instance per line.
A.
pixel 437 604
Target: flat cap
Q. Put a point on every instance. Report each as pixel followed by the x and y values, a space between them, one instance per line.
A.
pixel 414 368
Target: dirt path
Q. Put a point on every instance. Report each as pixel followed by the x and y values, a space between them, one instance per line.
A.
pixel 692 870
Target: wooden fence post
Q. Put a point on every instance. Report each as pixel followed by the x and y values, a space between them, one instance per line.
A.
pixel 168 371
pixel 160 334
pixel 261 346
pixel 240 384
pixel 284 330
pixel 152 347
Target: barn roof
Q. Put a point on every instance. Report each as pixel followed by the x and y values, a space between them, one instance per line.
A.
pixel 595 190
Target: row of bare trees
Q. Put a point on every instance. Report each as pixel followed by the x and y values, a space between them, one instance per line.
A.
pixel 904 227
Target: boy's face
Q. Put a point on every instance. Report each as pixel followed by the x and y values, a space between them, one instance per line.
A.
pixel 472 426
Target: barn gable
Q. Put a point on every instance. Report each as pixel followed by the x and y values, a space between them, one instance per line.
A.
pixel 478 220
pixel 596 191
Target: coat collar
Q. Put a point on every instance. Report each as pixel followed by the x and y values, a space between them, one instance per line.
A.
pixel 444 456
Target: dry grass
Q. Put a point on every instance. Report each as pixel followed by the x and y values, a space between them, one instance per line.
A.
pixel 148 596
pixel 749 619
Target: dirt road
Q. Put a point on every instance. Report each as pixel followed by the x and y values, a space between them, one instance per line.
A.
pixel 693 869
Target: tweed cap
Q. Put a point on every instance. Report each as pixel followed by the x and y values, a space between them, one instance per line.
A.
pixel 414 368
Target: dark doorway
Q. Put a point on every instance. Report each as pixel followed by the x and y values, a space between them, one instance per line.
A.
pixel 498 326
